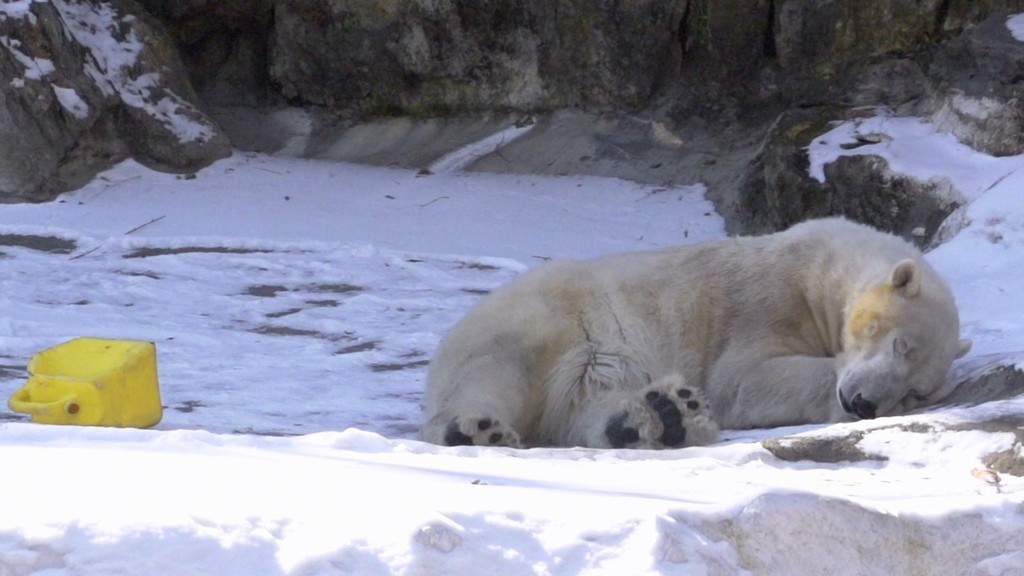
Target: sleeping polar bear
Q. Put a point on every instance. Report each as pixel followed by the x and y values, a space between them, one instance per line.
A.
pixel 827 321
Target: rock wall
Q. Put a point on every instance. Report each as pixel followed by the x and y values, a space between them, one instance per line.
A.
pixel 721 77
pixel 726 92
pixel 429 57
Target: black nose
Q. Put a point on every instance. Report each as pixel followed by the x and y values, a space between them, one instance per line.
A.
pixel 862 408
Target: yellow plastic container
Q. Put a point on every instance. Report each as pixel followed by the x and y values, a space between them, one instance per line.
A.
pixel 92 382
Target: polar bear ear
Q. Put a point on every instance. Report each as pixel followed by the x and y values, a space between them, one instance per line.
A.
pixel 906 278
pixel 963 347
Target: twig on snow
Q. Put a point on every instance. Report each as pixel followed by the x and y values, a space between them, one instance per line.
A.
pixel 425 204
pixel 141 226
pixel 86 253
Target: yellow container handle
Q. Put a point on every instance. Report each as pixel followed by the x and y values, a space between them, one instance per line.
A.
pixel 19 402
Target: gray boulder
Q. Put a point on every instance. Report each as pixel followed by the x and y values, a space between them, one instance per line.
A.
pixel 778 190
pixel 71 105
pixel 980 72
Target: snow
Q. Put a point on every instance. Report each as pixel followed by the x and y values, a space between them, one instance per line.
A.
pixel 294 305
pixel 1016 25
pixel 72 102
pixel 16 9
pixel 35 68
pixel 463 157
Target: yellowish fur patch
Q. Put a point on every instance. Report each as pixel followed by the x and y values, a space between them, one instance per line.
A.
pixel 873 315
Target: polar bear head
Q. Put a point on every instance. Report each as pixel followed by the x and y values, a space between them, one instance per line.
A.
pixel 899 339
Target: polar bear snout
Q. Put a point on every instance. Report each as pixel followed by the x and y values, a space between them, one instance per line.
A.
pixel 871 387
pixel 858 406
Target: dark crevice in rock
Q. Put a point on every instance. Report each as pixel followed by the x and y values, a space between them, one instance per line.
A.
pixel 683 34
pixel 941 16
pixel 770 49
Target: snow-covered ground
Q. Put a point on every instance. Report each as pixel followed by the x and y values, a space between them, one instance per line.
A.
pixel 295 304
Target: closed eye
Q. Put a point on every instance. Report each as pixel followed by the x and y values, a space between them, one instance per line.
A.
pixel 902 349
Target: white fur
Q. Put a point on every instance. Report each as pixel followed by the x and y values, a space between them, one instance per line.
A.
pixel 757 324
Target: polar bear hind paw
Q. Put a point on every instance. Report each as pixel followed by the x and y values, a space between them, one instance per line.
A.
pixel 667 414
pixel 482 431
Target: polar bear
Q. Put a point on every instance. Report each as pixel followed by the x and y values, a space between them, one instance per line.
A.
pixel 827 321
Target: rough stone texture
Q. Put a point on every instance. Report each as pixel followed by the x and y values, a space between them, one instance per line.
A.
pixel 982 70
pixel 826 450
pixel 1009 461
pixel 984 379
pixel 161 123
pixel 427 57
pixel 778 190
pixel 777 183
pixel 623 146
pixel 832 448
pixel 835 448
pixel 456 56
pixel 67 112
pixel 984 123
pixel 824 37
pixel 863 188
pixel 35 130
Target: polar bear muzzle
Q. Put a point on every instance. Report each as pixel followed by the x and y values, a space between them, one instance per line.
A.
pixel 858 405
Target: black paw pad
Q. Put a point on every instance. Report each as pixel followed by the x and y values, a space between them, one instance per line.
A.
pixel 619 435
pixel 453 436
pixel 673 433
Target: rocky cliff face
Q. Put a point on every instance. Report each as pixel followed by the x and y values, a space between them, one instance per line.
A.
pixel 83 85
pixel 438 58
pixel 728 92
pixel 429 57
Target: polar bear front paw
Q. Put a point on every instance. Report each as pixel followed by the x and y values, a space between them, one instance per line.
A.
pixel 481 431
pixel 665 414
